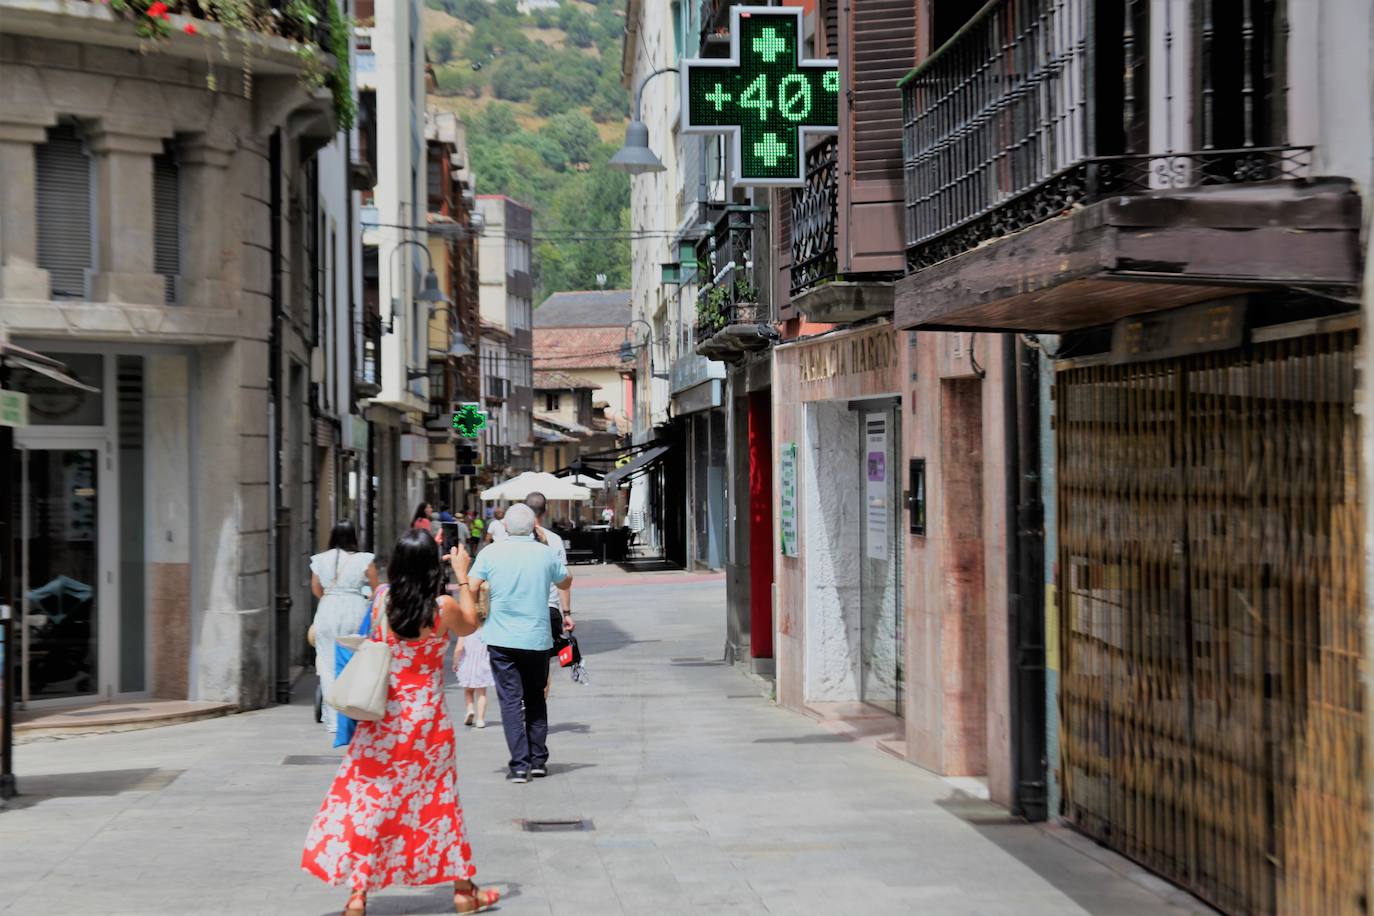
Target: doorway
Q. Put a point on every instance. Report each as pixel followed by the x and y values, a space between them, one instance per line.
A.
pixel 880 559
pixel 68 627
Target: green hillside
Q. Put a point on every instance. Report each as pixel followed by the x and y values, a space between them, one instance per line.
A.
pixel 545 109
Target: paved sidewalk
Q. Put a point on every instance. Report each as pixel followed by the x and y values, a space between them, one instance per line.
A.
pixel 704 798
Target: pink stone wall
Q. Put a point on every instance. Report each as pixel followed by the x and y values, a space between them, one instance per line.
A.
pixel 957 656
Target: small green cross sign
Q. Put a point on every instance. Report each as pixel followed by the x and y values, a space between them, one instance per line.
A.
pixel 470 420
pixel 765 95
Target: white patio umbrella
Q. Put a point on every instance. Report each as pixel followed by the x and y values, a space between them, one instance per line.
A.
pixel 517 488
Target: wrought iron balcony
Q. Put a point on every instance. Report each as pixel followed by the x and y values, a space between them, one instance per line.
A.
pixel 998 133
pixel 814 208
pixel 497 388
pixel 730 319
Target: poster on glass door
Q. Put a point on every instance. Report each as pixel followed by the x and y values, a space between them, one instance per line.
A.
pixel 875 495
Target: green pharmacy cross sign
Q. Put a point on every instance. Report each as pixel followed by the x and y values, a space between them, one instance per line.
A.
pixel 469 420
pixel 765 95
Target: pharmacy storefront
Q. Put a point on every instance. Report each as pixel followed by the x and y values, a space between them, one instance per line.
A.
pixel 838 448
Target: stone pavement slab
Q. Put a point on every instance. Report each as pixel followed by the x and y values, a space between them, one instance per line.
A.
pixel 703 796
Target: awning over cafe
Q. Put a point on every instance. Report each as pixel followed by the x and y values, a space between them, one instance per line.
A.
pixel 641 464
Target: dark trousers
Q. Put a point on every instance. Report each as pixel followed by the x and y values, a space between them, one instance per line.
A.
pixel 520 676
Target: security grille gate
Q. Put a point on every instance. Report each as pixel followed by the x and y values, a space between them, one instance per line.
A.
pixel 1209 572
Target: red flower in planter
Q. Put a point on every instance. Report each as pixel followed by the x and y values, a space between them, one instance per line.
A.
pixel 189 28
pixel 157 10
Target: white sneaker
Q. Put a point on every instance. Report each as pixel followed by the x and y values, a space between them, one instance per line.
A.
pixel 481 723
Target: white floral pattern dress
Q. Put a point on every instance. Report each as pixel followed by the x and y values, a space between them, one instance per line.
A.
pixel 392 816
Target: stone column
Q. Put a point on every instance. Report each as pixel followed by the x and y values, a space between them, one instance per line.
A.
pixel 124 218
pixel 204 195
pixel 20 275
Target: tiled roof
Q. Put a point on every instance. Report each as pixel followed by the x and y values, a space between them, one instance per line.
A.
pixel 593 308
pixel 577 348
pixel 555 379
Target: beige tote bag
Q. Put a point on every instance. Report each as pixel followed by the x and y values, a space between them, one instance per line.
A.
pixel 360 690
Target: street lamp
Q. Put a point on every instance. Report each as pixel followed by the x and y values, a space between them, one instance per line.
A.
pixel 430 294
pixel 635 157
pixel 627 349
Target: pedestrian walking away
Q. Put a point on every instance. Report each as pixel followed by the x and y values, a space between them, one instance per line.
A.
pixel 392 816
pixel 560 599
pixel 476 528
pixel 518 572
pixel 496 528
pixel 338 577
pixel 472 664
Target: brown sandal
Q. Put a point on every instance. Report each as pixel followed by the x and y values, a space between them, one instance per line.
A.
pixel 474 899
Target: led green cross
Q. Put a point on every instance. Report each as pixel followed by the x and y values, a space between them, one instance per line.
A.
pixel 469 421
pixel 768 45
pixel 766 96
pixel 770 150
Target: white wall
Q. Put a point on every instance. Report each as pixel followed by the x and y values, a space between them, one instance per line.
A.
pixel 401 178
pixel 830 550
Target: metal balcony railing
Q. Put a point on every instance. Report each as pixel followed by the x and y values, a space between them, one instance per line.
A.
pixel 814 208
pixel 727 294
pixel 997 130
pixel 498 388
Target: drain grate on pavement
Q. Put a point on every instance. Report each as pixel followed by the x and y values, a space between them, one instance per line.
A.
pixel 554 825
pixel 306 760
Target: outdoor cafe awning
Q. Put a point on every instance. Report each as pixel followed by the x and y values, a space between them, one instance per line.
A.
pixel 640 465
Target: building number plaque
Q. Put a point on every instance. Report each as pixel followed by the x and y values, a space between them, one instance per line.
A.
pixel 765 96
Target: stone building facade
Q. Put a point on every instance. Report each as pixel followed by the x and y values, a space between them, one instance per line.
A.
pixel 148 241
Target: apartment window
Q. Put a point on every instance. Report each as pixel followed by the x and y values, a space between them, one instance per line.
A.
pixel 1241 62
pixel 167 223
pixel 552 401
pixel 65 234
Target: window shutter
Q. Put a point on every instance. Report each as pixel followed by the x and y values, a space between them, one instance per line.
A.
pixel 64 212
pixel 878 46
pixel 167 223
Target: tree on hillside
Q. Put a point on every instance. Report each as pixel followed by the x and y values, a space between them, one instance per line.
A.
pixel 575 133
pixel 441 46
pixel 547 101
pixel 497 121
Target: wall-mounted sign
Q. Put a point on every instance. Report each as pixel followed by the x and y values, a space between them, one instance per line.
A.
pixel 765 96
pixel 787 499
pixel 14 408
pixel 1215 325
pixel 849 355
pixel 876 485
pixel 470 420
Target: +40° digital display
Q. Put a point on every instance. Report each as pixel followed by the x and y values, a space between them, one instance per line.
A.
pixel 765 94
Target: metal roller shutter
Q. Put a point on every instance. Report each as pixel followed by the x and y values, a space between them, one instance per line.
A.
pixel 167 223
pixel 64 212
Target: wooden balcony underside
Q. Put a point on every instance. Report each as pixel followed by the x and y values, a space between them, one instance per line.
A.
pixel 1131 255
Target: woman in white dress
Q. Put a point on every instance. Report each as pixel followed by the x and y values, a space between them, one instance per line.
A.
pixel 338 577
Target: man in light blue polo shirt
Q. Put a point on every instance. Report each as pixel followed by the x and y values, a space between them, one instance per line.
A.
pixel 519 572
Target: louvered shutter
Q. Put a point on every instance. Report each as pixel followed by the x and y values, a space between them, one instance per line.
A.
pixel 167 223
pixel 64 212
pixel 878 47
pixel 782 252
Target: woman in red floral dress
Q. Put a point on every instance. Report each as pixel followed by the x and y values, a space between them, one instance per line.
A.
pixel 392 815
